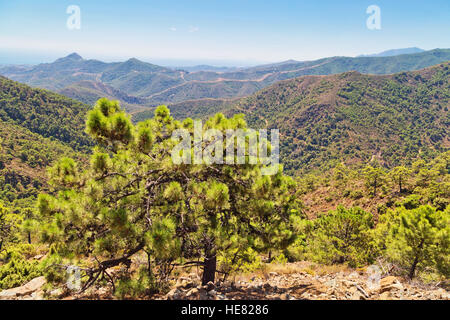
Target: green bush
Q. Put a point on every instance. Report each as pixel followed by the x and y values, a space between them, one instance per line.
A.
pixel 341 236
pixel 418 239
pixel 17 270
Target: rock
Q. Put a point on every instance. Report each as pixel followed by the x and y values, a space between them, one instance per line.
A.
pixel 440 294
pixel 352 290
pixel 273 274
pixel 389 283
pixel 174 294
pixel 360 289
pixel 193 292
pixel 236 286
pixel 255 288
pixel 212 293
pixel 193 276
pixel 104 291
pixel 56 293
pixel 197 293
pixel 348 284
pixel 358 296
pixel 317 289
pixel 185 283
pixel 8 295
pixel 285 296
pixel 203 295
pixel 267 286
pixel 37 295
pixel 25 290
pixel 210 286
pixel 445 285
pixel 387 296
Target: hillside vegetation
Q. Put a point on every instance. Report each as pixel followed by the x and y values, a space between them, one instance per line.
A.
pixel 367 183
pixel 24 157
pixel 43 112
pixel 134 207
pixel 37 127
pixel 355 118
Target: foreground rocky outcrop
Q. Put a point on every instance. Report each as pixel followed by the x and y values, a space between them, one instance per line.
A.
pixel 293 285
pixel 30 291
pixel 305 286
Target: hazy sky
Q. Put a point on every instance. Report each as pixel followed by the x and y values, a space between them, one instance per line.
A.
pixel 224 32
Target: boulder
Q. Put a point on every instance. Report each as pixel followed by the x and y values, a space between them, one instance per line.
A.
pixel 192 293
pixel 212 293
pixel 174 294
pixel 25 290
pixel 210 286
pixel 358 295
pixel 273 274
pixel 389 283
pixel 285 296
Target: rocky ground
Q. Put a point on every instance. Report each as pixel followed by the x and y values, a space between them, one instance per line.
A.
pixel 304 286
pixel 294 285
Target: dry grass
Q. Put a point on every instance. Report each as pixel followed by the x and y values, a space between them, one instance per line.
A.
pixel 321 270
pixel 292 268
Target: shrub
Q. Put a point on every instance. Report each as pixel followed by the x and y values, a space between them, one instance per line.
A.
pixel 418 239
pixel 341 236
pixel 17 270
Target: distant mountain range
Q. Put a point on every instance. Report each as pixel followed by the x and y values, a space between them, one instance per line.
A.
pixel 139 85
pixel 395 52
pixel 209 68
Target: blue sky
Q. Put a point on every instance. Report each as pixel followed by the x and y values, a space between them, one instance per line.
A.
pixel 226 32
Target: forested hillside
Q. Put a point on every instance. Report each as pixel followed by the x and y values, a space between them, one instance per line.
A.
pixel 368 183
pixel 43 112
pixel 24 157
pixel 355 118
pixel 37 127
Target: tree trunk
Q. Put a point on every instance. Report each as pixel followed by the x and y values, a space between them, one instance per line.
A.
pixel 209 269
pixel 375 188
pixel 29 237
pixel 412 271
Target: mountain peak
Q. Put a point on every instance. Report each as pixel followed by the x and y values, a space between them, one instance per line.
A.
pixel 134 60
pixel 73 57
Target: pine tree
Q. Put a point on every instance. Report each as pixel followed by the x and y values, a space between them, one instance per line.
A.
pixel 8 226
pixel 341 236
pixel 374 178
pixel 133 198
pixel 400 175
pixel 417 237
